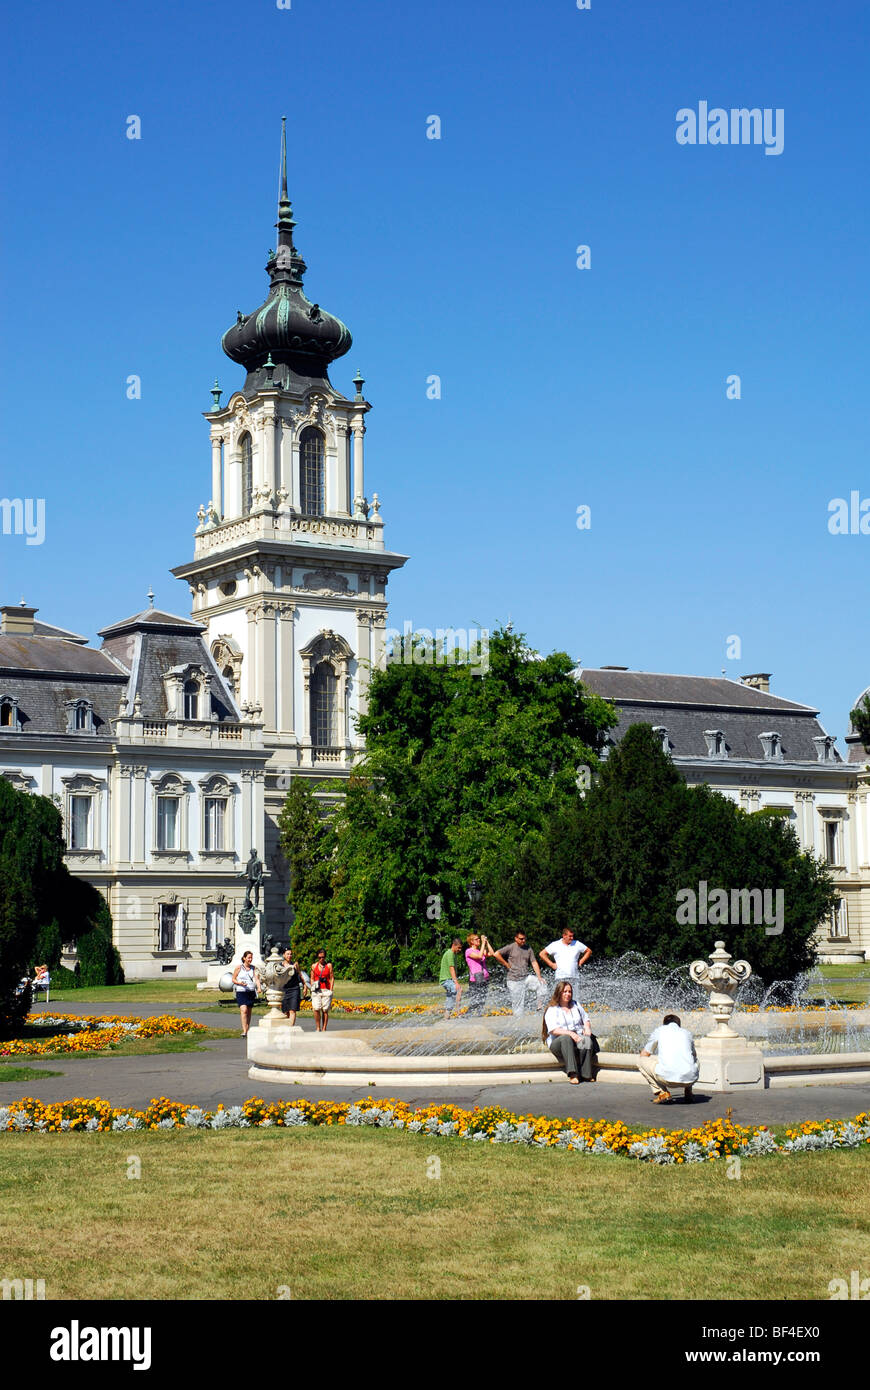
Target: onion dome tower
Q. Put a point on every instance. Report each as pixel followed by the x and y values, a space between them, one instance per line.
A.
pixel 288 342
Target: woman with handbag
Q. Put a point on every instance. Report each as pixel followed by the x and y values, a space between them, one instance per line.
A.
pixel 567 1031
pixel 247 985
pixel 292 996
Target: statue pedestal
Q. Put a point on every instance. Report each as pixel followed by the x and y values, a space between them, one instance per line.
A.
pixel 248 935
pixel 729 1063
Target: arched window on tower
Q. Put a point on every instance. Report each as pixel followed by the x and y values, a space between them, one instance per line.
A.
pixel 247 452
pixel 324 707
pixel 229 676
pixel 311 471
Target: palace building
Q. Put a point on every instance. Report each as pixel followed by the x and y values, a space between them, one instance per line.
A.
pixel 170 748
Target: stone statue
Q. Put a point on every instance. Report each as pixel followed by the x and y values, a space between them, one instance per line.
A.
pixel 225 952
pixel 253 877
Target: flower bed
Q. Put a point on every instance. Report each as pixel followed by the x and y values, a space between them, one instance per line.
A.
pixel 94 1032
pixel 701 1144
pixel 372 1010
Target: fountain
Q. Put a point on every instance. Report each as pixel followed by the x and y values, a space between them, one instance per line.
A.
pixel 737 1050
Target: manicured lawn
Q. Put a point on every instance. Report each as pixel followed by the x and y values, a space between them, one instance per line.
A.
pixel 9 1073
pixel 184 992
pixel 353 1214
pixel 847 983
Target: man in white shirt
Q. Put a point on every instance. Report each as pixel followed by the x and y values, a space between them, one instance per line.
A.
pixel 565 957
pixel 676 1063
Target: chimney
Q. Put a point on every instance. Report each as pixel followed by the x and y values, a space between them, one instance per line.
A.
pixel 17 620
pixel 761 681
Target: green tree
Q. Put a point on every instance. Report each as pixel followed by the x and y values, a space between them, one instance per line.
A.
pixel 613 865
pixel 461 768
pixel 41 902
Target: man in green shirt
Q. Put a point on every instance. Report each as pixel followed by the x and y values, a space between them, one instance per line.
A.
pixel 448 978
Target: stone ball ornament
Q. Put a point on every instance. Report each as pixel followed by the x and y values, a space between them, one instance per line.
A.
pixel 225 983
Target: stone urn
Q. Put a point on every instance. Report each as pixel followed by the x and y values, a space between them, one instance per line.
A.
pixel 728 1062
pixel 275 974
pixel 722 980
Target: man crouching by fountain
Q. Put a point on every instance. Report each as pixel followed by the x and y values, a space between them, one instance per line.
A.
pixel 676 1064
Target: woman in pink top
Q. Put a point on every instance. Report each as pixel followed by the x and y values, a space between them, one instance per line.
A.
pixel 476 952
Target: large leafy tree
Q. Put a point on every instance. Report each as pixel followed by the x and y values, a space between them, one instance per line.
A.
pixel 612 867
pixel 461 769
pixel 41 903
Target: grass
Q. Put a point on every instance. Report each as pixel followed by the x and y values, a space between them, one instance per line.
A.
pixel 8 1073
pixel 185 993
pixel 849 984
pixel 354 1215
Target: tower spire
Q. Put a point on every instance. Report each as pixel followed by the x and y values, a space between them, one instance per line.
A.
pixel 285 223
pixel 283 194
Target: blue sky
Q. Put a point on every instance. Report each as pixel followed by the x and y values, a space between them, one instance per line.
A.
pixel 456 257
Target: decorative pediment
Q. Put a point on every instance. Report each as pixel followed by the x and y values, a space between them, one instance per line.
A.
pixel 325 581
pixel 21 781
pixel 216 785
pixel 170 784
pixel 82 782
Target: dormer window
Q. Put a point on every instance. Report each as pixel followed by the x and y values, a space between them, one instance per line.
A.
pixel 79 716
pixel 771 742
pixel 662 733
pixel 826 751
pixel 10 721
pixel 191 700
pixel 716 746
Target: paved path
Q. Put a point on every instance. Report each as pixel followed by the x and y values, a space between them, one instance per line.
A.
pixel 220 1073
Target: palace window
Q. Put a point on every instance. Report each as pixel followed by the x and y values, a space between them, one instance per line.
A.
pixel 247 452
pixel 832 841
pixel 191 700
pixel 838 921
pixel 324 732
pixel 311 469
pixel 214 822
pixel 170 927
pixel 215 925
pixel 81 822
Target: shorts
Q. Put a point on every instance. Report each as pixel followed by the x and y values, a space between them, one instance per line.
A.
pixel 246 996
pixel 321 999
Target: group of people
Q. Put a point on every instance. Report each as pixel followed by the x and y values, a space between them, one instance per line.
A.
pixel 566 1028
pixel 565 957
pixel 319 986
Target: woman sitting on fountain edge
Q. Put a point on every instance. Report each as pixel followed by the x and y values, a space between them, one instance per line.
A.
pixel 567 1031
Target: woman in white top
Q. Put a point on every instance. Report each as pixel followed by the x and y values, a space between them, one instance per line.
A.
pixel 567 1032
pixel 247 984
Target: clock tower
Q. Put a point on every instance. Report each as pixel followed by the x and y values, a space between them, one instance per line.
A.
pixel 290 569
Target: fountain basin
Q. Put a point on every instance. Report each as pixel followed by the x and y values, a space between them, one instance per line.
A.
pixel 292 1056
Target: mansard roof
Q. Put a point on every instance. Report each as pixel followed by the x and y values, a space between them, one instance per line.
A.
pixel 691 706
pixel 653 687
